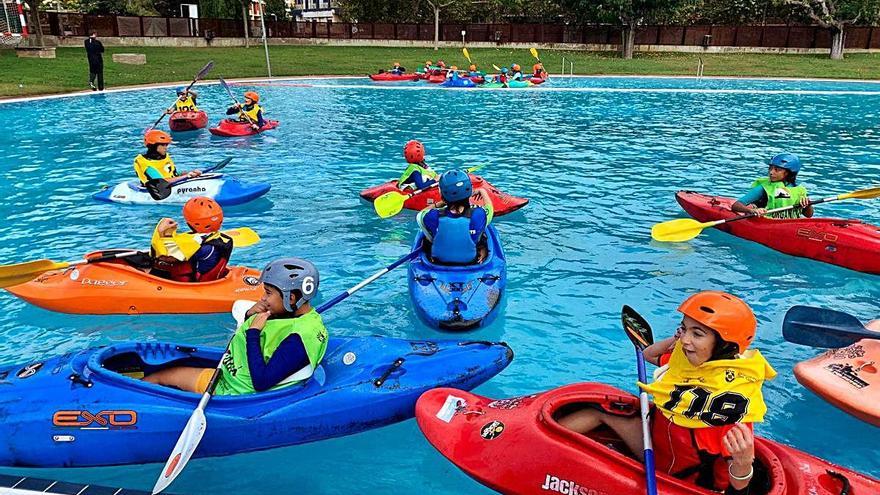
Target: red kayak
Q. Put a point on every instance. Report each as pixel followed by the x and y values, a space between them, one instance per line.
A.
pixel 387 76
pixel 515 446
pixel 231 128
pixel 187 121
pixel 537 80
pixel 436 79
pixel 504 203
pixel 847 243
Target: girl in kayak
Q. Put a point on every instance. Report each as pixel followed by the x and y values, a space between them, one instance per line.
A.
pixel 516 72
pixel 280 343
pixel 198 256
pixel 418 174
pixel 706 397
pixel 250 111
pixel 538 71
pixel 185 102
pixel 779 189
pixel 456 229
pixel 156 163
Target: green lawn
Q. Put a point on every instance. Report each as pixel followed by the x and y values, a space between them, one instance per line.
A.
pixel 69 71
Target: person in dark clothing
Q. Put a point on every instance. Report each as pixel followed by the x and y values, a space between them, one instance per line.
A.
pixel 95 54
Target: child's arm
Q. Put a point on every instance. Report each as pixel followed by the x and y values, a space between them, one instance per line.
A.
pixel 654 351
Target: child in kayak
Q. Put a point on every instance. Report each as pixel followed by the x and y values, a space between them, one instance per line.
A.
pixel 777 190
pixel 198 256
pixel 418 174
pixel 502 78
pixel 185 102
pixel 538 71
pixel 156 163
pixel 472 71
pixel 280 343
pixel 455 229
pixel 516 72
pixel 397 69
pixel 702 431
pixel 429 66
pixel 251 109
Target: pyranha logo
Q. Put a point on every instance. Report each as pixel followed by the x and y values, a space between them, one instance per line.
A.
pixel 186 190
pixel 104 420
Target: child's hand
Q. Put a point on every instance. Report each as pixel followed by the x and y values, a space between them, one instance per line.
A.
pixel 259 321
pixel 740 442
pixel 805 202
pixel 167 226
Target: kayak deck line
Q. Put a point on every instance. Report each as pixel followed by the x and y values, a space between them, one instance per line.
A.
pixel 23 485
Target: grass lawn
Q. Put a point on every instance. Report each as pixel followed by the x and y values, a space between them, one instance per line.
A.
pixel 69 72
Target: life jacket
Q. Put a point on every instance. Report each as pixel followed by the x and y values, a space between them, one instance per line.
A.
pixel 187 105
pixel 253 113
pixel 221 250
pixel 171 255
pixel 453 243
pixel 164 166
pixel 235 376
pixel 415 167
pixel 780 195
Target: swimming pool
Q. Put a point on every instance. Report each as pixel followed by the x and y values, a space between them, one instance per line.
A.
pixel 600 159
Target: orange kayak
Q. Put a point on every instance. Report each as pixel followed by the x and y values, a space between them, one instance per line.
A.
pixel 848 378
pixel 118 288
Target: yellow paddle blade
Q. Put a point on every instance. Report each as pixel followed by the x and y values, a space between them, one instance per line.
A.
pixel 20 273
pixel 466 55
pixel 870 193
pixel 242 237
pixel 678 230
pixel 496 67
pixel 535 53
pixel 389 204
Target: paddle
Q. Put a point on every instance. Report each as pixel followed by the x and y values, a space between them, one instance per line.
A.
pixel 229 91
pixel 639 332
pixel 160 189
pixel 202 73
pixel 195 428
pixel 685 229
pixel 534 53
pixel 819 327
pixel 391 203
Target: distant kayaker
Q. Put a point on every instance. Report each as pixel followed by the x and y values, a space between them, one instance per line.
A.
pixel 250 112
pixel 502 77
pixel 185 102
pixel 706 397
pixel 418 174
pixel 538 71
pixel 428 67
pixel 280 343
pixel 456 228
pixel 452 73
pixel 156 163
pixel 200 255
pixel 779 189
pixel 516 72
pixel 472 71
pixel 397 69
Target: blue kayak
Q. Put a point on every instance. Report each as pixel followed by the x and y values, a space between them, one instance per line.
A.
pixel 460 82
pixel 225 189
pixel 90 408
pixel 458 297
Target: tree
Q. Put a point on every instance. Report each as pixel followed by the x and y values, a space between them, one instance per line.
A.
pixel 835 15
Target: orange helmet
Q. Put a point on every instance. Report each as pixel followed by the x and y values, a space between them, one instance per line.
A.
pixel 516 67
pixel 537 67
pixel 428 62
pixel 252 95
pixel 725 313
pixel 156 137
pixel 454 67
pixel 203 214
pixel 414 152
pixel 396 64
pixel 472 68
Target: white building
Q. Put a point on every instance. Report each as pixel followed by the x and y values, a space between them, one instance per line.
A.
pixel 313 10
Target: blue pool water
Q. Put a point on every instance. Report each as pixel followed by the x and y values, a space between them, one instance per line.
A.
pixel 600 159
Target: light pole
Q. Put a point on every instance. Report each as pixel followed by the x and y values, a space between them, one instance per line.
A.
pixel 265 43
pixel 463 34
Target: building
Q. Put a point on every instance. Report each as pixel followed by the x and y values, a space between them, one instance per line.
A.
pixel 313 10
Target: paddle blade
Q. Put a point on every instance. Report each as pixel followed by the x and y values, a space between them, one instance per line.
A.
pixel 20 273
pixel 819 327
pixel 183 450
pixel 218 166
pixel 242 237
pixel 496 67
pixel 159 189
pixel 636 327
pixel 534 53
pixel 870 193
pixel 389 204
pixel 678 230
pixel 466 54
pixel 205 70
pixel 476 167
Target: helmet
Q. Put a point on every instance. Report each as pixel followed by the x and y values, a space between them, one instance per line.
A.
pixel 786 161
pixel 504 70
pixel 156 136
pixel 292 274
pixel 455 185
pixel 537 67
pixel 725 313
pixel 454 67
pixel 516 67
pixel 253 96
pixel 428 62
pixel 181 90
pixel 414 152
pixel 203 214
pixel 441 63
pixel 472 68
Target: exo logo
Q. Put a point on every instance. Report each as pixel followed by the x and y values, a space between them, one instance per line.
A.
pixel 814 235
pixel 104 420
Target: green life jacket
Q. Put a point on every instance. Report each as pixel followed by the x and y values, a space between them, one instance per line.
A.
pixel 780 195
pixel 415 167
pixel 235 378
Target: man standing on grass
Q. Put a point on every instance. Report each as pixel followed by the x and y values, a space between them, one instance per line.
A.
pixel 95 53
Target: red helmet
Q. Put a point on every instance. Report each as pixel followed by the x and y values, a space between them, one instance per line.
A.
pixel 203 214
pixel 414 152
pixel 725 313
pixel 157 137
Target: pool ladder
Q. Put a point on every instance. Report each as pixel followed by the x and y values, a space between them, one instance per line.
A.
pixel 570 67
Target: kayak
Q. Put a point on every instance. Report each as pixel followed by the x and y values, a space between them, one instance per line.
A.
pixel 536 80
pixel 461 82
pixel 225 189
pixel 510 84
pixel 478 79
pixel 458 297
pixel 187 121
pixel 117 287
pixel 89 408
pixel 847 378
pixel 532 454
pixel 847 243
pixel 234 128
pixel 387 76
pixel 504 203
pixel 436 78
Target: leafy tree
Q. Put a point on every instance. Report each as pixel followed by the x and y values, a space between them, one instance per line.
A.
pixel 835 15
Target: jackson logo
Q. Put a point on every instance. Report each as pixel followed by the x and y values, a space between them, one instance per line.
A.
pixel 567 487
pixel 104 420
pixel 492 430
pixel 185 190
pixel 250 280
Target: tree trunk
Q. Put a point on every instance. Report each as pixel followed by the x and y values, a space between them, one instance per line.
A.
pixel 246 20
pixel 628 40
pixel 35 28
pixel 838 37
pixel 436 27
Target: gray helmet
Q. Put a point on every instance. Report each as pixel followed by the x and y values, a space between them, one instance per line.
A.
pixel 290 274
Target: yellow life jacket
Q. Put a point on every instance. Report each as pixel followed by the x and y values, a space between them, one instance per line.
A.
pixel 716 393
pixel 187 105
pixel 180 246
pixel 165 167
pixel 252 113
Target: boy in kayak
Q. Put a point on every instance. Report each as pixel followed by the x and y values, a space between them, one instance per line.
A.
pixel 502 78
pixel 516 72
pixel 456 229
pixel 397 69
pixel 198 256
pixel 156 163
pixel 251 109
pixel 280 343
pixel 706 397
pixel 777 190
pixel 429 66
pixel 418 174
pixel 538 71
pixel 185 102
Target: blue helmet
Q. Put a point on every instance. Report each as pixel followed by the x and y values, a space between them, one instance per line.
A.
pixel 787 161
pixel 181 90
pixel 504 70
pixel 289 274
pixel 455 185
